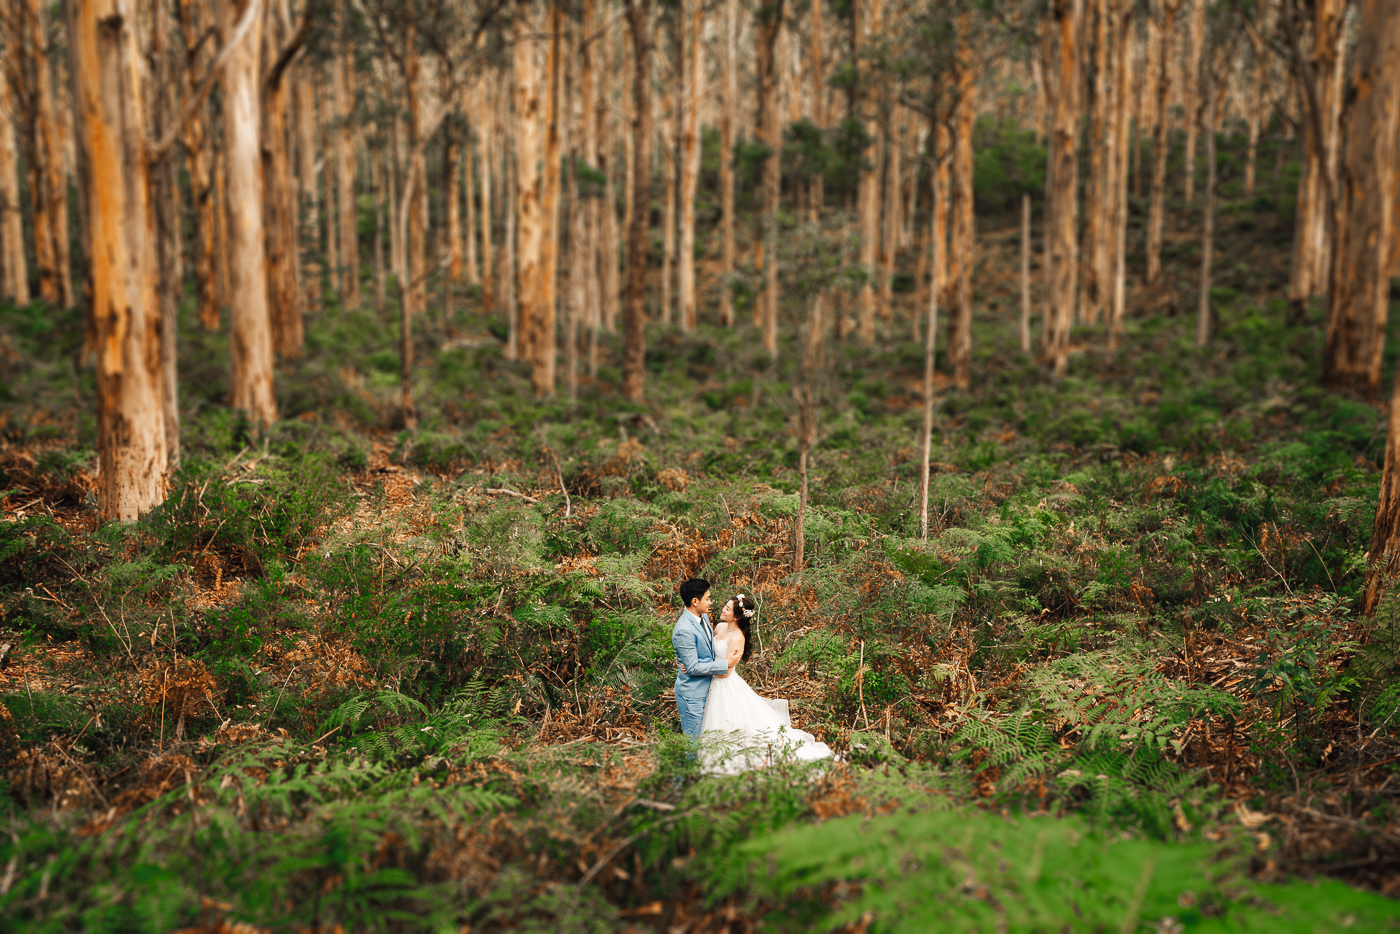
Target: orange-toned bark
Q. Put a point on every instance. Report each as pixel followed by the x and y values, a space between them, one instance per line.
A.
pixel 250 324
pixel 1062 182
pixel 14 270
pixel 1358 292
pixel 634 343
pixel 125 320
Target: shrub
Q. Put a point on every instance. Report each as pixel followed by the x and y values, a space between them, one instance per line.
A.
pixel 955 870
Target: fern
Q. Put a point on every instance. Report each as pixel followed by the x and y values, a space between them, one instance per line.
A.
pixel 955 870
pixel 814 649
pixel 352 713
pixel 1097 729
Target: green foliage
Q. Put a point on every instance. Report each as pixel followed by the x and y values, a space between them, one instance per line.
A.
pixel 1007 163
pixel 1088 535
pixel 815 650
pixel 32 549
pixel 1290 674
pixel 1097 728
pixel 256 517
pixel 623 526
pixel 955 870
pixel 38 715
pixel 332 822
pixel 506 538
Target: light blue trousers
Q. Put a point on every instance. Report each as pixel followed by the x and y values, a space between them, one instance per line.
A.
pixel 692 711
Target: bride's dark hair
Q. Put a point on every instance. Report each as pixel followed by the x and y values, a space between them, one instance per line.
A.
pixel 744 612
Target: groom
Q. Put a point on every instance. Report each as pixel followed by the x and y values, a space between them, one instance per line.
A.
pixel 693 639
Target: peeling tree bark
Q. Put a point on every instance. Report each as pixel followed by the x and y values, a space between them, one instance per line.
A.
pixel 14 269
pixel 693 89
pixel 1062 182
pixel 1026 273
pixel 349 233
pixel 199 164
pixel 770 128
pixel 1255 114
pixel 308 266
pixel 941 271
pixel 963 242
pixel 1092 281
pixel 328 194
pixel 1208 223
pixel 250 330
pixel 866 24
pixel 1359 284
pixel 1196 39
pixel 668 138
pixel 634 312
pixel 587 243
pixel 1359 271
pixel 413 206
pixel 580 240
pixel 1117 264
pixel 165 192
pixel 48 181
pixel 452 169
pixel 486 134
pixel 1156 212
pixel 108 74
pixel 1310 246
pixel 529 184
pixel 816 194
pixel 609 259
pixel 467 246
pixel 728 116
pixel 378 171
pixel 542 373
pixel 936 197
pixel 889 241
pixel 283 286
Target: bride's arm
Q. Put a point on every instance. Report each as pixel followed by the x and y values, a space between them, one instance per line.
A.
pixel 735 641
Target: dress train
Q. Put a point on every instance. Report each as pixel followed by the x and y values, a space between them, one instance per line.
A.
pixel 743 731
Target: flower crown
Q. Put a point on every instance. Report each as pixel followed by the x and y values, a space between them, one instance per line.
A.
pixel 740 609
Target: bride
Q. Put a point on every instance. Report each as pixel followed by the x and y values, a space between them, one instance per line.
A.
pixel 741 730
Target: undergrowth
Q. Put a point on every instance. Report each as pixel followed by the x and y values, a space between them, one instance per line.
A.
pixel 351 675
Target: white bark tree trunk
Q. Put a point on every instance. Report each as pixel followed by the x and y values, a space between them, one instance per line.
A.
pixel 693 90
pixel 866 28
pixel 530 224
pixel 250 325
pixel 14 270
pixel 108 79
pixel 349 231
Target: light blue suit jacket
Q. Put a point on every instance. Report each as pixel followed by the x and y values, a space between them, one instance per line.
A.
pixel 693 639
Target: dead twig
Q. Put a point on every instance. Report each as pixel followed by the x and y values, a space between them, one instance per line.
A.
pixel 502 491
pixel 280 693
pixel 1346 822
pixel 559 472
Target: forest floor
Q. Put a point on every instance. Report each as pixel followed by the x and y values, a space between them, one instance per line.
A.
pixel 351 677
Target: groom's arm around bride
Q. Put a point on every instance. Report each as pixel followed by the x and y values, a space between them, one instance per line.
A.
pixel 694 644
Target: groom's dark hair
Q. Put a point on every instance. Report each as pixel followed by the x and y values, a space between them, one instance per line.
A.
pixel 693 590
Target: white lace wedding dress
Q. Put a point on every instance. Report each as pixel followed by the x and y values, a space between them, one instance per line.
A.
pixel 743 731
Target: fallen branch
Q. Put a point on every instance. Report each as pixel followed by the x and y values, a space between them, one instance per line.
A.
pixel 1346 822
pixel 559 472
pixel 502 491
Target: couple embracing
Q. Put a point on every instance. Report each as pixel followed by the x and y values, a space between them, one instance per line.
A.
pixel 737 729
